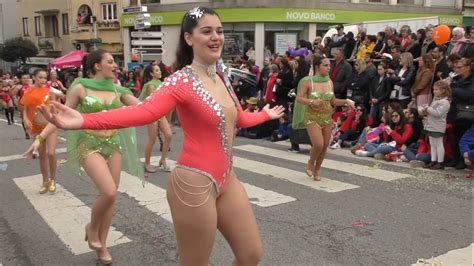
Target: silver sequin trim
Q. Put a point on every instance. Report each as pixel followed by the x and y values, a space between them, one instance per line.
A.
pixel 206 174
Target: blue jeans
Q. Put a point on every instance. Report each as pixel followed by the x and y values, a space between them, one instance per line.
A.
pixel 374 148
pixel 375 112
pixel 411 155
pixel 349 134
pixel 363 137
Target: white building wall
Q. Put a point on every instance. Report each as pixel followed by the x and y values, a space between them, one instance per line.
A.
pixel 7 17
pixel 168 2
pixel 171 41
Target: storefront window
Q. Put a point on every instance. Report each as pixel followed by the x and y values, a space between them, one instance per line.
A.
pixel 278 36
pixel 239 37
pixel 374 1
pixel 443 3
pixel 410 2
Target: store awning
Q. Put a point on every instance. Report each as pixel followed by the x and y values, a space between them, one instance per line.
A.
pixel 46 12
pixel 69 60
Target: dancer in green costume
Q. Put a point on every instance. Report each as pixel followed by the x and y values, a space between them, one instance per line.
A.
pixel 100 152
pixel 313 110
pixel 151 80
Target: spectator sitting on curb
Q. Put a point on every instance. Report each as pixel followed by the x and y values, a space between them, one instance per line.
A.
pixel 466 146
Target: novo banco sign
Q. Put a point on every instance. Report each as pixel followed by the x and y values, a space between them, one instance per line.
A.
pixel 309 15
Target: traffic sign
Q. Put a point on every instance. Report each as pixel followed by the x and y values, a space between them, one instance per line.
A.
pixel 134 9
pixel 142 17
pixel 147 42
pixel 148 50
pixel 147 34
pixel 141 25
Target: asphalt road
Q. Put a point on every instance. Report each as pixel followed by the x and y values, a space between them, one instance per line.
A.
pixel 356 218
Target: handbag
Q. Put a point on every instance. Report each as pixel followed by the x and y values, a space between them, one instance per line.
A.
pixel 465 112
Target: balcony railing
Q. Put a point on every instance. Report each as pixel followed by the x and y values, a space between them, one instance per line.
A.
pixel 81 32
pixel 49 44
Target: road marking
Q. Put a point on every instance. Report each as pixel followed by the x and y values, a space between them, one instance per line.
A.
pixel 20 125
pixel 151 197
pixel 326 184
pixel 258 196
pixel 346 153
pixel 352 168
pixel 19 156
pixel 462 256
pixel 65 214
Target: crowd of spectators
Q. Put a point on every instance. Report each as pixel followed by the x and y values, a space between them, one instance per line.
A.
pixel 412 95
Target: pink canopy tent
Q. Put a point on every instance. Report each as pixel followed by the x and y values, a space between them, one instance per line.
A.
pixel 70 60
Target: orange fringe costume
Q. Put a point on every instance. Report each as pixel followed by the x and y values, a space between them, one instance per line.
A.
pixel 33 98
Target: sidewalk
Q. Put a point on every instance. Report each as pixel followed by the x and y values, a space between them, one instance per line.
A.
pixel 346 153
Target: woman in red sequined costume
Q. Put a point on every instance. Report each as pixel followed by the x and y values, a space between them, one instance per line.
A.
pixel 203 191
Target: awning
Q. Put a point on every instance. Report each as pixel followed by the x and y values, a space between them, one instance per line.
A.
pixel 69 60
pixel 46 12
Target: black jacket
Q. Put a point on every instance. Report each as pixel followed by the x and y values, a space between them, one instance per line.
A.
pixel 414 49
pixel 358 88
pixel 463 94
pixel 407 82
pixel 282 90
pixel 342 78
pixel 442 67
pixel 379 89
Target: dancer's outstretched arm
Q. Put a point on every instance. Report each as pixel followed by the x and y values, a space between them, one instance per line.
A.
pixel 153 108
pixel 245 119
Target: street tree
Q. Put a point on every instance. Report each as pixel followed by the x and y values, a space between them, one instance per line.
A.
pixel 17 48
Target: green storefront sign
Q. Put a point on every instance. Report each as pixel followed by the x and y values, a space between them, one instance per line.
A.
pixel 291 15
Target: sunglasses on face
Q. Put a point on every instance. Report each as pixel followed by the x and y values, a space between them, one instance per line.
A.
pixel 358 109
pixel 395 116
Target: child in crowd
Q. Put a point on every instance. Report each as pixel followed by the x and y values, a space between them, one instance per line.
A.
pixel 466 146
pixel 436 123
pixel 282 132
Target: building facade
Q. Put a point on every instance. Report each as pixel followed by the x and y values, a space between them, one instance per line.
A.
pixel 95 24
pixel 7 16
pixel 47 25
pixel 265 23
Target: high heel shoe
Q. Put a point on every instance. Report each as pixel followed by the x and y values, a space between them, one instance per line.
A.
pixel 317 176
pixel 52 185
pixel 164 166
pixel 93 246
pixel 308 171
pixel 44 188
pixel 105 261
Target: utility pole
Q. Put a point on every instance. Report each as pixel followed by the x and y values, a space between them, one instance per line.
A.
pixel 140 54
pixel 94 25
pixel 2 29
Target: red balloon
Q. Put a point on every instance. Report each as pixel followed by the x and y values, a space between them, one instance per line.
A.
pixel 441 34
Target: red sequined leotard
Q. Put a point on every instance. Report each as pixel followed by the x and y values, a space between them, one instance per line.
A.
pixel 207 145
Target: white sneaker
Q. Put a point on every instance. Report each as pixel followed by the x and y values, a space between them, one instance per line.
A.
pixel 379 156
pixel 417 163
pixel 335 146
pixel 403 158
pixel 361 153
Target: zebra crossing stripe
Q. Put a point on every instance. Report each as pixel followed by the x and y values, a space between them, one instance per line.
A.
pixel 297 177
pixel 65 214
pixel 352 168
pixel 462 256
pixel 257 196
pixel 19 156
pixel 151 197
pixel 293 176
